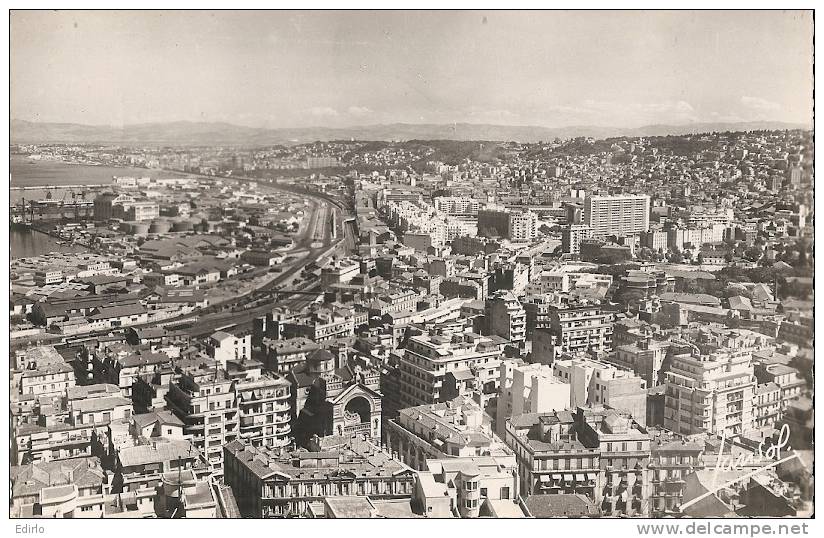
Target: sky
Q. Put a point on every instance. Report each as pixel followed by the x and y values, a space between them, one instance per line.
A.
pixel 301 69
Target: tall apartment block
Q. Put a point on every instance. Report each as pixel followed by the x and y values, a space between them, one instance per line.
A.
pixel 505 317
pixel 575 325
pixel 204 400
pixel 710 392
pixel 571 237
pixel 218 406
pixel 429 358
pixel 617 215
pixel 263 401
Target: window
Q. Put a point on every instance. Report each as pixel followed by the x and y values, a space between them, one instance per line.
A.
pixel 483 492
pixel 505 493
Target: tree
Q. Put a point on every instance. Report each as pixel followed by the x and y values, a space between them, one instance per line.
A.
pixel 676 256
pixel 753 254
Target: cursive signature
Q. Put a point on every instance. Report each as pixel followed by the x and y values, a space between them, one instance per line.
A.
pixel 773 451
pixel 739 462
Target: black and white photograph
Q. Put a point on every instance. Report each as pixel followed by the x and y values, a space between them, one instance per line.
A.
pixel 411 264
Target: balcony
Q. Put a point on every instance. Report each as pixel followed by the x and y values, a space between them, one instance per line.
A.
pixel 276 409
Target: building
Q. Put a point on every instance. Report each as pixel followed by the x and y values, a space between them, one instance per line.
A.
pixel 339 272
pixel 205 401
pixel 767 405
pixel 141 466
pixel 332 396
pixel 225 346
pixel 281 356
pixel 472 487
pixel 458 429
pixel 597 383
pixel 597 452
pixel 46 276
pixel 264 402
pixel 528 388
pixel 642 284
pixel 34 443
pixel 322 162
pixel 567 505
pixel 515 226
pixel 579 325
pixel 619 215
pixel 657 240
pixel 571 237
pixel 645 358
pixel 671 460
pixel 787 378
pixel 123 369
pixel 269 484
pixel 428 358
pixel 37 488
pixel 457 205
pixel 50 379
pixel 136 211
pixel 710 393
pixel 505 317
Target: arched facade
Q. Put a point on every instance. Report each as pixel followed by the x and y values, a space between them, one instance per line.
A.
pixel 357 410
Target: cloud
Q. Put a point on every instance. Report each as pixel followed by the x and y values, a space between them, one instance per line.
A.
pixel 758 104
pixel 566 109
pixel 323 112
pixel 731 118
pixel 633 113
pixel 359 110
pixel 492 115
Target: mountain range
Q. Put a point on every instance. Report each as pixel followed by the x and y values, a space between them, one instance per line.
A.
pixel 183 133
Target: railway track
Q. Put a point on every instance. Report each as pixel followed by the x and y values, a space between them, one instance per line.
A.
pixel 206 319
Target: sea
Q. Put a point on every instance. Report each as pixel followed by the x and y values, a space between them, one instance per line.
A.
pixel 27 172
pixel 29 243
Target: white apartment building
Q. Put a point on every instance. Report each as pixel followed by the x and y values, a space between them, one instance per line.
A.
pixel 429 357
pixel 457 205
pixel 617 215
pixel 710 392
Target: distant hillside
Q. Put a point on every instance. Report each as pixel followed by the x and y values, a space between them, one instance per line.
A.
pixel 215 134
